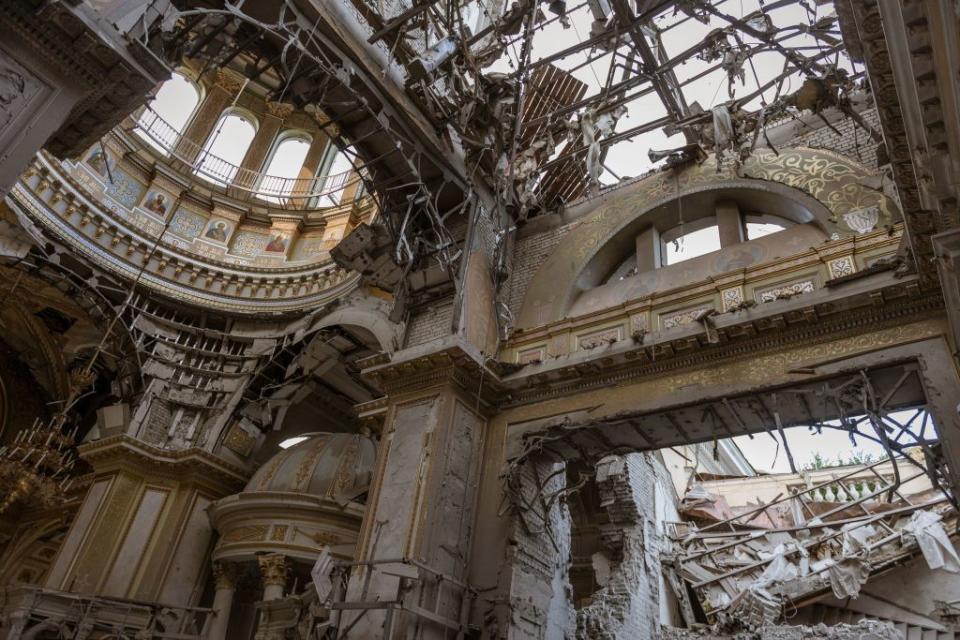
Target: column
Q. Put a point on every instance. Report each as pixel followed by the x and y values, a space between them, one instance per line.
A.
pixel 219 96
pixel 225 576
pixel 729 223
pixel 353 186
pixel 422 497
pixel 648 250
pixel 274 569
pixel 253 161
pixel 946 246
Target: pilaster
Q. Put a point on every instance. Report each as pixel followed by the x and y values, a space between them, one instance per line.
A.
pixel 219 96
pixel 143 531
pixel 254 160
pixel 422 498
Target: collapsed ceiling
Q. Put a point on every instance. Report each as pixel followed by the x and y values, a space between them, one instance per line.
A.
pixel 525 107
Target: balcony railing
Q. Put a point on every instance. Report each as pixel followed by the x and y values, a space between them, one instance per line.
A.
pixel 293 192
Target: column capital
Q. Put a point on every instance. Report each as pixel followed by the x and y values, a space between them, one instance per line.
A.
pixel 280 110
pixel 228 81
pixel 225 575
pixel 274 569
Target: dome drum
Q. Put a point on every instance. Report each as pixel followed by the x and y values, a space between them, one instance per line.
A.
pixel 302 499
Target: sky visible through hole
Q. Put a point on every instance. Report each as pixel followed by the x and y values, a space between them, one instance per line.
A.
pixel 177 100
pixel 805 444
pixel 629 158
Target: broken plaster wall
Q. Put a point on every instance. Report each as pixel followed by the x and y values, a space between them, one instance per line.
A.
pixel 539 605
pixel 633 599
pixel 530 251
pixel 534 245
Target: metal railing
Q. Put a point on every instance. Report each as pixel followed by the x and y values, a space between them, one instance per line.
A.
pixel 29 611
pixel 421 591
pixel 300 192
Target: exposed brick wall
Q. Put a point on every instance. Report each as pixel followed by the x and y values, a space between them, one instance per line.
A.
pixel 429 323
pixel 629 605
pixel 853 141
pixel 528 254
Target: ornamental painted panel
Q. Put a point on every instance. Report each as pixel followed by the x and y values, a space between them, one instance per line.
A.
pixel 682 317
pixel 731 297
pixel 308 247
pixel 249 243
pixel 600 338
pixel 239 441
pixel 187 224
pixel 218 230
pixel 125 189
pixel 784 291
pixel 530 355
pixel 841 267
pixel 157 202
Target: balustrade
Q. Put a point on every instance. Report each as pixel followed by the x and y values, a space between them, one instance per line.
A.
pixel 292 192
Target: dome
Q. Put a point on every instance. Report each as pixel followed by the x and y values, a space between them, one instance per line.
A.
pixel 330 465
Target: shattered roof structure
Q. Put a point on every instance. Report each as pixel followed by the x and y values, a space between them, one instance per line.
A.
pixel 531 105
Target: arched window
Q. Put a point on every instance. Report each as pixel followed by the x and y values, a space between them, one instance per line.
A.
pixel 226 146
pixel 167 115
pixel 283 170
pixel 337 170
pixel 681 244
pixel 763 225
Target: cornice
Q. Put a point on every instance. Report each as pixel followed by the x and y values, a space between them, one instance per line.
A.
pixel 878 301
pixel 89 53
pixel 123 451
pixel 449 360
pixel 750 337
pixel 287 282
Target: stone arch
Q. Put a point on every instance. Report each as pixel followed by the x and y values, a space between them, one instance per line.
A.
pixel 368 313
pixel 826 185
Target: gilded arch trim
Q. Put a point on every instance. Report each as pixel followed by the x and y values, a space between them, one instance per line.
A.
pixel 833 180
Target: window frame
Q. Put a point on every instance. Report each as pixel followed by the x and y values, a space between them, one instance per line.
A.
pixel 231 111
pixel 200 89
pixel 680 230
pixel 284 136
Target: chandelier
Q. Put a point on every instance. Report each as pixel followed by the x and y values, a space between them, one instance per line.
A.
pixel 36 465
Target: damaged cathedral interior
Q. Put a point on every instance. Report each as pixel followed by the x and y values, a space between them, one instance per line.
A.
pixel 479 319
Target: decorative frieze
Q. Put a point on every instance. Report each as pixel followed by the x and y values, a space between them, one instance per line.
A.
pixel 841 267
pixel 599 338
pixel 783 291
pixel 239 441
pixel 685 316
